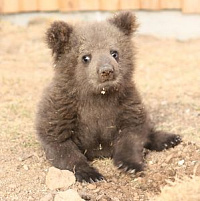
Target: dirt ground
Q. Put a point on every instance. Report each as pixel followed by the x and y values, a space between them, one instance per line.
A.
pixel 168 77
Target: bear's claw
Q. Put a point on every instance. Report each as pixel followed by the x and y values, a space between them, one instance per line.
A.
pixel 89 175
pixel 173 141
pixel 131 167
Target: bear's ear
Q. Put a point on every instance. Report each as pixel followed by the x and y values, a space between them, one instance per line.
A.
pixel 57 36
pixel 125 21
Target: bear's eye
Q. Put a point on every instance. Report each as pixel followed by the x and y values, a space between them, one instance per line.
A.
pixel 86 59
pixel 114 54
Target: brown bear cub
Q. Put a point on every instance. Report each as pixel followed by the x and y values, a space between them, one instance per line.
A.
pixel 91 109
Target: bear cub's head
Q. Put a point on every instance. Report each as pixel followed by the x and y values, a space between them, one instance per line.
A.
pixel 95 56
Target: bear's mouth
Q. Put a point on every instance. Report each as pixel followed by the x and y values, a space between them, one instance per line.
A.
pixel 109 86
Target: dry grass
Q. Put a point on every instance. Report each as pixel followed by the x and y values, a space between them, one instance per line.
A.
pixel 187 190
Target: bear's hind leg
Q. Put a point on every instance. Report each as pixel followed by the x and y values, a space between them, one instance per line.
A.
pixel 159 140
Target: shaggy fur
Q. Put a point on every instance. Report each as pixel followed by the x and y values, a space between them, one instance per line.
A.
pixel 91 108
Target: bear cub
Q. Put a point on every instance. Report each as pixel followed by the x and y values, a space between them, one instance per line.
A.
pixel 92 109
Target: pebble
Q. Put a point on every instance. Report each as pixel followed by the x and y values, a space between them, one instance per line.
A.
pixel 181 162
pixel 193 162
pixel 70 195
pixel 58 179
pixel 25 167
pixel 150 162
pixel 158 177
pixel 169 158
pixel 164 164
pixel 96 190
pixel 171 172
pixel 48 197
pixel 91 186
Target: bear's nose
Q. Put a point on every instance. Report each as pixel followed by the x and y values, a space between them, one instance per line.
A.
pixel 106 71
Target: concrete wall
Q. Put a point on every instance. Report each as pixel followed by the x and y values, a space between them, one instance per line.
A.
pixel 160 23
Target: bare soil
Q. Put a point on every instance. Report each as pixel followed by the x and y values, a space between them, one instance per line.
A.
pixel 168 77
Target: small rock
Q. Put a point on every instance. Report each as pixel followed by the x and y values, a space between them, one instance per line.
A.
pixel 96 190
pixel 150 162
pixel 193 162
pixel 91 186
pixel 187 111
pixel 48 197
pixel 164 164
pixel 20 159
pixel 85 196
pixel 137 179
pixel 57 179
pixel 158 177
pixel 169 158
pixel 70 195
pixel 164 102
pixel 181 162
pixel 171 172
pixel 25 167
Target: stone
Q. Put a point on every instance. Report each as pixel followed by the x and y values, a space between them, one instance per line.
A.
pixel 91 186
pixel 181 162
pixel 59 179
pixel 70 195
pixel 25 167
pixel 48 197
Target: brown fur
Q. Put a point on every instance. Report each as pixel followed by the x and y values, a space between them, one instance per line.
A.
pixel 91 108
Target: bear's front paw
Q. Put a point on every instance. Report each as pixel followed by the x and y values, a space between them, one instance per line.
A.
pixel 131 167
pixel 88 174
